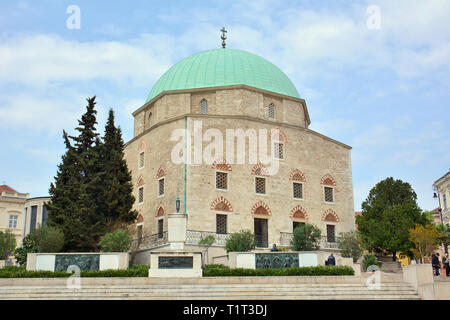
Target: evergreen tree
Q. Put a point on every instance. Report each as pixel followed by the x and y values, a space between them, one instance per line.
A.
pixel 73 205
pixel 92 192
pixel 117 197
pixel 389 211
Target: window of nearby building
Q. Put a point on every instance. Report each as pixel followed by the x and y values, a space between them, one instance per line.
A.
pixel 444 198
pixel 161 187
pixel 295 224
pixel 328 192
pixel 13 222
pixel 271 111
pixel 141 195
pixel 44 215
pixel 260 185
pixel 221 180
pixel 221 223
pixel 298 190
pixel 33 218
pixel 331 232
pixel 278 150
pixel 203 107
pixel 160 228
pixel 141 159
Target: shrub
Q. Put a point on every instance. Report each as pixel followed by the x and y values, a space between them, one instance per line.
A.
pixel 349 245
pixel 28 246
pixel 306 237
pixel 48 239
pixel 118 241
pixel 7 244
pixel 21 272
pixel 224 271
pixel 370 260
pixel 241 241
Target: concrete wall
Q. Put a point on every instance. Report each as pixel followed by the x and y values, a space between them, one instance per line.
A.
pixel 108 260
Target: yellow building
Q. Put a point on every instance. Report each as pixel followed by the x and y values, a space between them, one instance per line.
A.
pixel 12 216
pixel 442 192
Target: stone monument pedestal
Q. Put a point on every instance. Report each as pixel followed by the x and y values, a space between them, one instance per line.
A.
pixel 175 264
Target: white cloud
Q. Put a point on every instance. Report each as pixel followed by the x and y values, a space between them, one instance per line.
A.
pixel 37 60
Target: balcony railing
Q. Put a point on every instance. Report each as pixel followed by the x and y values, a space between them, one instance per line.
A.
pixel 193 237
pixel 325 242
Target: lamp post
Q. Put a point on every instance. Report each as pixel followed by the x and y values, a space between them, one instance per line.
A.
pixel 436 195
pixel 177 204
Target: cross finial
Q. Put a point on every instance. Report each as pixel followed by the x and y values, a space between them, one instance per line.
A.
pixel 223 37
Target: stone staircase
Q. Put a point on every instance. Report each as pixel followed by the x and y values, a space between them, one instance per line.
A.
pixel 232 288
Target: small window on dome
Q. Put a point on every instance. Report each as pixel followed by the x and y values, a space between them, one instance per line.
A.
pixel 204 107
pixel 271 111
pixel 150 119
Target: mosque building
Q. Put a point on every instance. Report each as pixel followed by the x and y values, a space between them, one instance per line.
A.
pixel 224 137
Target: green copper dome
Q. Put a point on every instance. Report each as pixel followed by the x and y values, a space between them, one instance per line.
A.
pixel 224 67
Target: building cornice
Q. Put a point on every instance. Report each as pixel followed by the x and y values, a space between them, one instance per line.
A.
pixel 240 117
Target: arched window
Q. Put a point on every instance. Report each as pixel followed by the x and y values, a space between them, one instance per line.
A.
pixel 271 111
pixel 150 120
pixel 203 106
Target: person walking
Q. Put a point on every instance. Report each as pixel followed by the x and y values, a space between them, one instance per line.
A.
pixel 446 265
pixel 435 263
pixel 331 260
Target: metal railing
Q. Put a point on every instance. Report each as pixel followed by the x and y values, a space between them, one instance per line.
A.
pixel 325 242
pixel 150 241
pixel 193 237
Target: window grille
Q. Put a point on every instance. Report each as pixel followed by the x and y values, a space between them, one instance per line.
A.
pixel 260 185
pixel 204 107
pixel 331 233
pixel 160 228
pixel 161 187
pixel 141 159
pixel 141 194
pixel 271 110
pixel 328 194
pixel 278 149
pixel 221 223
pixel 221 180
pixel 298 190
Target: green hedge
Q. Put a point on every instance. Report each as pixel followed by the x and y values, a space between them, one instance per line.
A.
pixel 223 271
pixel 21 272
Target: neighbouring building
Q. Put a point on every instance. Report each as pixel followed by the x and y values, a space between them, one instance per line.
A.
pixel 224 97
pixel 12 216
pixel 36 214
pixel 20 213
pixel 442 192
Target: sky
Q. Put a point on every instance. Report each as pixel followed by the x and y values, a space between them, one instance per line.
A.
pixel 375 75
